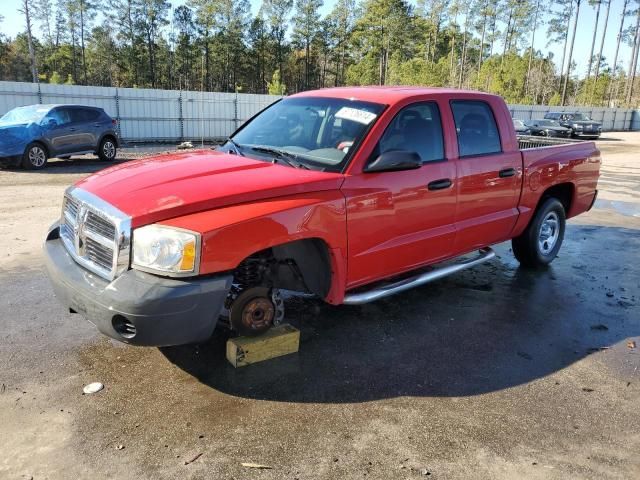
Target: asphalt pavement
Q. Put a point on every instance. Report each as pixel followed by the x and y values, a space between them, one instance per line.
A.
pixel 495 372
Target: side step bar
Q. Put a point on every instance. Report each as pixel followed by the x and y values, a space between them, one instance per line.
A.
pixel 486 254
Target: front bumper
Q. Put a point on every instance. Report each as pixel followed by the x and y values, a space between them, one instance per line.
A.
pixel 11 156
pixel 162 311
pixel 587 133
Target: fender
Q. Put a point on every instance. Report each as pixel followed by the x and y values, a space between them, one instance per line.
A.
pixel 576 164
pixel 231 234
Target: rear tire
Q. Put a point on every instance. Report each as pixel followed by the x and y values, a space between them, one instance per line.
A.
pixel 35 157
pixel 107 149
pixel 539 244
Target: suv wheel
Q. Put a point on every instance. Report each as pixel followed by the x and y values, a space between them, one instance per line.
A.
pixel 107 150
pixel 35 157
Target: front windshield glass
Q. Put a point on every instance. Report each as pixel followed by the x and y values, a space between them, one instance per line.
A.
pixel 316 132
pixel 33 113
pixel 580 117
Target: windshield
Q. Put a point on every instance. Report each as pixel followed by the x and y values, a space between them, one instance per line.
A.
pixel 316 132
pixel 33 113
pixel 580 117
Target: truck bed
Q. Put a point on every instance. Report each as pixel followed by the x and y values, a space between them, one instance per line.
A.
pixel 529 141
pixel 553 161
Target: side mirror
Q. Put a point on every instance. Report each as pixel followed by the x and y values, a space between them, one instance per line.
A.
pixel 51 123
pixel 394 161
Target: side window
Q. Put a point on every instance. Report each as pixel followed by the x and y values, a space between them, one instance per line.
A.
pixel 476 128
pixel 416 128
pixel 60 115
pixel 78 115
pixel 90 115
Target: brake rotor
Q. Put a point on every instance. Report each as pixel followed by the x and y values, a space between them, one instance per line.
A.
pixel 255 310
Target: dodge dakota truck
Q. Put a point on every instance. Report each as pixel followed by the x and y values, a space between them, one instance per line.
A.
pixel 348 194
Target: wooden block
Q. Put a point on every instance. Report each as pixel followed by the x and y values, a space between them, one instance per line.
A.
pixel 278 341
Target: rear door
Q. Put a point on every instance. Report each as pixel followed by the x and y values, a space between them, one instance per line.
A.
pixel 397 221
pixel 489 179
pixel 83 128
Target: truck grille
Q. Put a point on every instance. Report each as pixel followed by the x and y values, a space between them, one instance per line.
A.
pixel 95 233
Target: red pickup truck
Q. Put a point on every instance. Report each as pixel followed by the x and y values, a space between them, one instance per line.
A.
pixel 344 193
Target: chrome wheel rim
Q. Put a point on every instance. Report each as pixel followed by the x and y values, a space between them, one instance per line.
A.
pixel 109 149
pixel 549 233
pixel 37 157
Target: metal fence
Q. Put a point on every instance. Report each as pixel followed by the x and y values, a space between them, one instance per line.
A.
pixel 146 115
pixel 611 118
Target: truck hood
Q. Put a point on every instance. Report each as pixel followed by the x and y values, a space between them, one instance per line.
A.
pixel 168 186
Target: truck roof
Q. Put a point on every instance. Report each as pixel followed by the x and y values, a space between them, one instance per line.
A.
pixel 385 94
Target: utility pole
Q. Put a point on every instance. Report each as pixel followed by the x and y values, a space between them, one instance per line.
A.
pixel 573 38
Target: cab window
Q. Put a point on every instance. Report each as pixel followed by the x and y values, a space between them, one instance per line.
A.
pixel 476 128
pixel 416 128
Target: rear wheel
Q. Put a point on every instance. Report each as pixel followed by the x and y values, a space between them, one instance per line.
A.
pixel 107 149
pixel 539 244
pixel 35 157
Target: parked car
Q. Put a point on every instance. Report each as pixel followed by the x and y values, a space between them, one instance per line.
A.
pixel 520 127
pixel 30 135
pixel 548 128
pixel 328 192
pixel 579 124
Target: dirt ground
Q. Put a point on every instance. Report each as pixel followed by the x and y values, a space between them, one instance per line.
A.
pixel 496 372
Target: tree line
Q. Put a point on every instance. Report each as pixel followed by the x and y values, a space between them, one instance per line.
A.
pixel 288 46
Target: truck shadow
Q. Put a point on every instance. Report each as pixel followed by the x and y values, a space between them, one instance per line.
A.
pixel 480 331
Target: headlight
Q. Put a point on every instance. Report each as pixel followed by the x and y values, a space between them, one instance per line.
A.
pixel 576 126
pixel 167 250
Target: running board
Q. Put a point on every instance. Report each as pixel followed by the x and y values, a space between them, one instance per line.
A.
pixel 486 254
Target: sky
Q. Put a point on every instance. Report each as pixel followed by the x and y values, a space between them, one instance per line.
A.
pixel 14 23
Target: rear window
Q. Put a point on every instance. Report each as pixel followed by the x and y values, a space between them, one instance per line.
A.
pixel 476 128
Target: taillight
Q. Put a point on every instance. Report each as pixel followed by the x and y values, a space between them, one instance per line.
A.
pixel 114 122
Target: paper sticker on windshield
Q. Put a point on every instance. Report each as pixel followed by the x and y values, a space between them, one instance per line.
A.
pixel 355 115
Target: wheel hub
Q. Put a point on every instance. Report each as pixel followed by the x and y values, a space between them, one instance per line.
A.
pixel 258 314
pixel 549 233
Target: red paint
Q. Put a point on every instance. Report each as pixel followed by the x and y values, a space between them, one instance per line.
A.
pixel 376 225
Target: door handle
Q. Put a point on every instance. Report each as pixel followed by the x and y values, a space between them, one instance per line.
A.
pixel 507 172
pixel 439 184
pixel 72 129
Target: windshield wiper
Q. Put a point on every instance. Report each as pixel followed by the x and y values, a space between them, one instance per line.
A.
pixel 236 147
pixel 288 158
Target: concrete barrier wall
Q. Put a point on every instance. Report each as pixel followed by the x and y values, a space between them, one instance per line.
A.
pixel 170 115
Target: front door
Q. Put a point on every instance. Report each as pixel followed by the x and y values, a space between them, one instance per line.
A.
pixel 398 221
pixel 62 132
pixel 489 180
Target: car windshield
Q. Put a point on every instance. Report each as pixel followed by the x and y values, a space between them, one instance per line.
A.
pixel 33 113
pixel 310 131
pixel 580 117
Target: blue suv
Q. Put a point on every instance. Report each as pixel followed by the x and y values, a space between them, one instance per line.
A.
pixel 30 135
